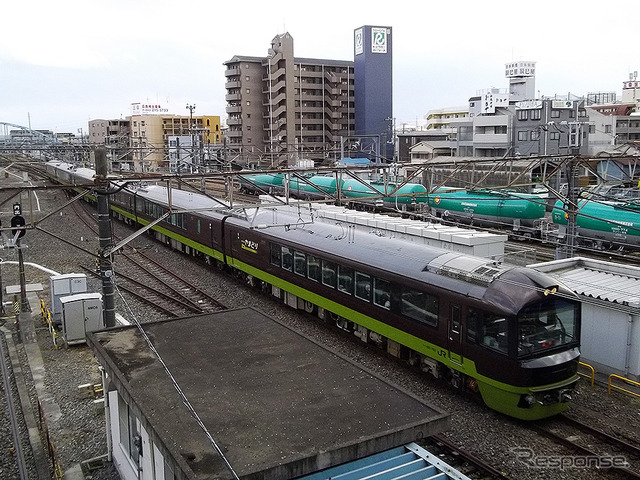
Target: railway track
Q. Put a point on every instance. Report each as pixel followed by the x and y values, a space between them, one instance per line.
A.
pixel 461 454
pixel 588 447
pixel 147 280
pixel 465 462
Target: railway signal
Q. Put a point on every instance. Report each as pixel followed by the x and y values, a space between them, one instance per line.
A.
pixel 17 221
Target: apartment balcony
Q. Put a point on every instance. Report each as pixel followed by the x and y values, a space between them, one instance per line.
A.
pixel 233 109
pixel 498 140
pixel 310 109
pixel 309 73
pixel 232 84
pixel 231 72
pixel 233 97
pixel 311 121
pixel 234 121
pixel 312 95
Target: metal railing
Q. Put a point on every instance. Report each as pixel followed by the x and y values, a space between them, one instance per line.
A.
pixel 625 380
pixel 591 375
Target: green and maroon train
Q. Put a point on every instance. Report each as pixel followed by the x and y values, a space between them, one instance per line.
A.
pixel 509 334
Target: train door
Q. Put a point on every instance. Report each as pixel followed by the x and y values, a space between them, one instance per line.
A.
pixel 455 334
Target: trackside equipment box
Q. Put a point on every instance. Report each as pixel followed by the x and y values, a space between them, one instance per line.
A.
pixel 63 286
pixel 81 313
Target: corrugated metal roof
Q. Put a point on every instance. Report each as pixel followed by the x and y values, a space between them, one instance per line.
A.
pixel 407 462
pixel 609 286
pixel 606 281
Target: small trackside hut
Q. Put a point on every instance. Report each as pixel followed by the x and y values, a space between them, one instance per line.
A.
pixel 277 405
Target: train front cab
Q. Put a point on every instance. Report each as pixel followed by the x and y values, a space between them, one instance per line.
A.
pixel 527 368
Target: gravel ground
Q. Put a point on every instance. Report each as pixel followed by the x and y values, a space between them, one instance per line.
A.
pixel 79 433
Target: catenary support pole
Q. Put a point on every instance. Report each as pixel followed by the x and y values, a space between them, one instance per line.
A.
pixel 104 233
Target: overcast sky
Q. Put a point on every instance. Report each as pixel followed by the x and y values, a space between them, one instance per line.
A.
pixel 65 62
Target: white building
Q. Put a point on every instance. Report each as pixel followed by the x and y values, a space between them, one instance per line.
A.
pixel 610 292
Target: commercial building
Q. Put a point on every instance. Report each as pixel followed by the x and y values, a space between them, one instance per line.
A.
pixel 373 53
pixel 503 122
pixel 142 141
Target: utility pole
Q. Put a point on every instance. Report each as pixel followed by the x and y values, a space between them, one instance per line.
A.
pixel 104 234
pixel 567 248
pixel 191 108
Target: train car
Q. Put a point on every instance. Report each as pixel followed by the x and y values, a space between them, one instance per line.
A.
pixel 262 183
pixel 603 225
pixel 314 187
pixel 69 173
pixel 509 334
pixel 520 212
pixel 404 195
pixel 483 327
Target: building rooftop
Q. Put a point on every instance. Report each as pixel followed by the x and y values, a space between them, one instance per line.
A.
pixel 277 404
pixel 605 281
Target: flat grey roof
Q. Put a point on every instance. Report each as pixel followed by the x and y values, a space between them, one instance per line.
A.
pixel 278 404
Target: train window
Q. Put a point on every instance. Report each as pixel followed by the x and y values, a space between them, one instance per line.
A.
pixel 299 263
pixel 547 325
pixel 473 319
pixel 345 279
pixel 287 258
pixel 363 286
pixel 175 219
pixel 329 273
pixel 420 306
pixel 382 293
pixel 313 268
pixel 276 255
pixel 494 332
pixel 198 225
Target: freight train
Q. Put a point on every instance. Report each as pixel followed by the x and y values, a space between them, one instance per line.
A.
pixel 520 213
pixel 322 186
pixel 600 224
pixel 603 224
pixel 508 334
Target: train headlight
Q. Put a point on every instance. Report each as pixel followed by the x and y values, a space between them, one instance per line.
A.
pixel 529 400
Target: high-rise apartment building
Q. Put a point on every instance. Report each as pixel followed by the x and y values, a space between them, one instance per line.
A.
pixel 282 109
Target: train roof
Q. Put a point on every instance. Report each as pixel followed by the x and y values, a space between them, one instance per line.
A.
pixel 483 279
pixel 505 286
pixel 80 172
pixel 182 199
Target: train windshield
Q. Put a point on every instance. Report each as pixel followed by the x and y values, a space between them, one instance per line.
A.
pixel 547 325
